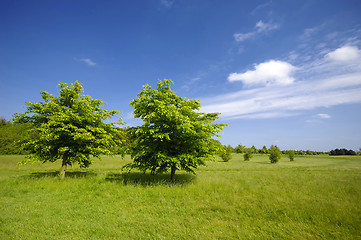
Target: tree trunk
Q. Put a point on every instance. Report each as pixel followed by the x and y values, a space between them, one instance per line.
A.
pixel 172 173
pixel 63 166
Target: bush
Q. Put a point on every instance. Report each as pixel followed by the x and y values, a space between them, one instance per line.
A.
pixel 248 154
pixel 226 153
pixel 239 149
pixel 275 154
pixel 291 155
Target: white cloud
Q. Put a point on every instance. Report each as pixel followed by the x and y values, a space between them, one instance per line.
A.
pixel 263 27
pixel 345 54
pixel 260 27
pixel 323 115
pixel 268 73
pixel 314 85
pixel 240 37
pixel 88 61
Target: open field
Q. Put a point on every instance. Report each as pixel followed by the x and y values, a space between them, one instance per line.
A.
pixel 315 197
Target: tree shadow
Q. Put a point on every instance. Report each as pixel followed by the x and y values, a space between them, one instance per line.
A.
pixel 147 179
pixel 55 174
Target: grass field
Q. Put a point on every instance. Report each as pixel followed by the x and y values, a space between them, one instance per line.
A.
pixel 315 197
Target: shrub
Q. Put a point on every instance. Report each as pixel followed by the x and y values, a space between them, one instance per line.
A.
pixel 291 155
pixel 226 153
pixel 248 154
pixel 275 154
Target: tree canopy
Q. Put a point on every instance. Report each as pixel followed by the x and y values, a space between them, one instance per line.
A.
pixel 175 135
pixel 275 154
pixel 69 127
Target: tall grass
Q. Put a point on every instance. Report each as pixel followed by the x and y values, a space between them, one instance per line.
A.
pixel 311 198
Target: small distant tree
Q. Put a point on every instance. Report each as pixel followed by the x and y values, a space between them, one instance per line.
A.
pixel 175 135
pixel 291 155
pixel 264 150
pixel 254 149
pixel 239 149
pixel 226 153
pixel 69 127
pixel 3 121
pixel 275 154
pixel 248 154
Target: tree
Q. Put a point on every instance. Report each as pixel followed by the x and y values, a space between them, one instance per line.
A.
pixel 248 154
pixel 264 150
pixel 291 155
pixel 11 135
pixel 254 149
pixel 3 121
pixel 175 135
pixel 226 153
pixel 239 148
pixel 69 127
pixel 342 151
pixel 275 154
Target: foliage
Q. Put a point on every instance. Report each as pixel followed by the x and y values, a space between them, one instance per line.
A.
pixel 248 154
pixel 264 150
pixel 11 135
pixel 70 127
pixel 275 154
pixel 239 149
pixel 226 153
pixel 175 135
pixel 254 149
pixel 291 155
pixel 342 151
pixel 3 121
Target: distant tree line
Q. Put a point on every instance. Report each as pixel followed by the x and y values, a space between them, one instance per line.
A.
pixel 11 134
pixel 264 150
pixel 342 151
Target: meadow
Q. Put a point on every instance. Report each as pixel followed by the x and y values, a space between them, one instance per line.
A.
pixel 315 197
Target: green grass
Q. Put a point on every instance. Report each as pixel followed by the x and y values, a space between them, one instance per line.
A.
pixel 315 197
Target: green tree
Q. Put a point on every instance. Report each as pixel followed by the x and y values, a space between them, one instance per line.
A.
pixel 248 154
pixel 275 154
pixel 239 149
pixel 11 135
pixel 226 153
pixel 291 155
pixel 69 127
pixel 264 150
pixel 175 135
pixel 3 121
pixel 254 149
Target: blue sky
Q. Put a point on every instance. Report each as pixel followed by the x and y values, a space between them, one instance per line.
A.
pixel 281 72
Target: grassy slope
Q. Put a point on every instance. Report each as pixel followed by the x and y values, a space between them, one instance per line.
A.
pixel 311 198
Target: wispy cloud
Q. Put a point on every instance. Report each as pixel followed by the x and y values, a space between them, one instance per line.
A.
pixel 167 3
pixel 261 6
pixel 88 61
pixel 322 82
pixel 260 27
pixel 323 115
pixel 318 118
